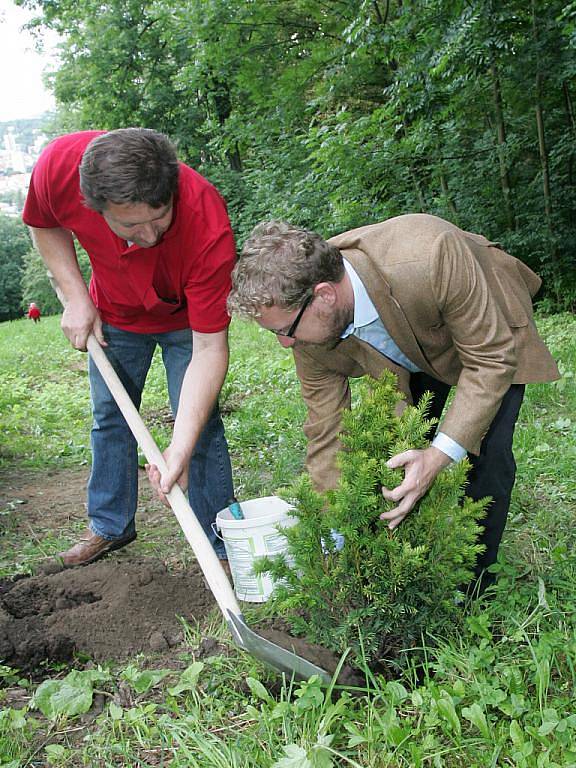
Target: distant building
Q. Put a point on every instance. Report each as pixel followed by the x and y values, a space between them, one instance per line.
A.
pixel 17 157
pixel 18 153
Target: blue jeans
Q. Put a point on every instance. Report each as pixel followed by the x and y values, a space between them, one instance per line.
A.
pixel 113 484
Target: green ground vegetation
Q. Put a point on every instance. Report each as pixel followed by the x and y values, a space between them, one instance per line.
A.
pixel 499 691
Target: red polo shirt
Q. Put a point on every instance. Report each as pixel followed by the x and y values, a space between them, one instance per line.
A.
pixel 181 282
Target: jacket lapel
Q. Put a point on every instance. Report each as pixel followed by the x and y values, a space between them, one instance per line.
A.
pixel 388 309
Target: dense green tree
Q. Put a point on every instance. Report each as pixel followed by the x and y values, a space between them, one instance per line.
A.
pixel 14 242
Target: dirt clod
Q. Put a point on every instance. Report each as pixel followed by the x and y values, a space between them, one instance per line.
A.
pixel 157 642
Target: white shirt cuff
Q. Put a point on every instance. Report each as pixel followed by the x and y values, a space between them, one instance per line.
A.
pixel 448 446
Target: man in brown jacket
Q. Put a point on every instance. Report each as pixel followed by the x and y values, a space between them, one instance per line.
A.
pixel 438 306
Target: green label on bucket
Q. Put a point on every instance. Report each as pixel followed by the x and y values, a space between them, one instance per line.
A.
pixel 241 554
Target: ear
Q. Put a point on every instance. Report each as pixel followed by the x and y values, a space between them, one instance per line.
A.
pixel 327 293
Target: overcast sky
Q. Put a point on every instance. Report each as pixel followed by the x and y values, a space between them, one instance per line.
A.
pixel 22 94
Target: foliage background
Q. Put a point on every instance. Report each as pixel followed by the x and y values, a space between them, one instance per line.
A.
pixel 335 115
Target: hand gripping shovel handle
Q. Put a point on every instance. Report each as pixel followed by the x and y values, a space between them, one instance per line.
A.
pixel 192 529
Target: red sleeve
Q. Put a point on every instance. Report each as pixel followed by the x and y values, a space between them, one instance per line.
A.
pixel 209 280
pixel 206 297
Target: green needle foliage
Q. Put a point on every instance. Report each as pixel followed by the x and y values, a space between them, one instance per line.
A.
pixel 382 590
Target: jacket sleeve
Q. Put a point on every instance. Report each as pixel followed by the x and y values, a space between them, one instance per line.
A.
pixel 481 336
pixel 326 394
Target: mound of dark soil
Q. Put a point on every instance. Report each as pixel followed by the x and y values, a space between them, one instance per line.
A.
pixel 107 610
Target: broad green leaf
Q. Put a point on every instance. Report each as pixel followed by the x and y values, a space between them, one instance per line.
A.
pixel 295 757
pixel 480 626
pixel 320 757
pixel 476 716
pixel 188 679
pixel 356 739
pixel 115 711
pixel 55 753
pixel 396 691
pixel 417 699
pixel 447 711
pixel 258 689
pixel 70 696
pixel 12 719
pixel 310 694
pixel 146 680
pixel 547 727
pixel 516 734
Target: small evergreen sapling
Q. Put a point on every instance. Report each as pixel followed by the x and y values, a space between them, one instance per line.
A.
pixel 382 589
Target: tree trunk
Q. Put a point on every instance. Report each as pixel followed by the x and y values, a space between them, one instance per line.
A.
pixel 542 150
pixel 223 108
pixel 418 190
pixel 447 196
pixel 543 154
pixel 569 106
pixel 505 183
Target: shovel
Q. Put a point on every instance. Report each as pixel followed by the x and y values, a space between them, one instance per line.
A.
pixel 268 652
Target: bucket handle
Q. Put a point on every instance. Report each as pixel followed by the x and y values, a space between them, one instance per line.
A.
pixel 216 530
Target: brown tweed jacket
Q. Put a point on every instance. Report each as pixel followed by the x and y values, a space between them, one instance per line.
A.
pixel 457 305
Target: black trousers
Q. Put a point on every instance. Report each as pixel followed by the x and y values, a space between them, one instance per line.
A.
pixel 493 471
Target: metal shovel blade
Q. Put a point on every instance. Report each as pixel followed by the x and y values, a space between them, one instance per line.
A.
pixel 272 654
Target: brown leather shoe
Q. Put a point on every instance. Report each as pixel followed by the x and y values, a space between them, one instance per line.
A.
pixel 92 547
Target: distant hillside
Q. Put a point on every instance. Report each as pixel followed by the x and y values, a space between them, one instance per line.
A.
pixel 24 130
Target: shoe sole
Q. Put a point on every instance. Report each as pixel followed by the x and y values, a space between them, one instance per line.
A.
pixel 114 545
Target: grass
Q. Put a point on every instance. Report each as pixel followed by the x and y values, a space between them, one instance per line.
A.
pixel 502 693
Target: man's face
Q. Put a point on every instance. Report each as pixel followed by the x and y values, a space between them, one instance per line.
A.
pixel 138 222
pixel 321 322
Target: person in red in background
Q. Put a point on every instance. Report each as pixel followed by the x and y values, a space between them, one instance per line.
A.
pixel 162 251
pixel 33 312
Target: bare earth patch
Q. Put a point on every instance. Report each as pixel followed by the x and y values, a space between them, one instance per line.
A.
pixel 108 610
pixel 112 609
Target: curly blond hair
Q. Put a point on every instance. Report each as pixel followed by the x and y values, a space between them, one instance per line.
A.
pixel 279 266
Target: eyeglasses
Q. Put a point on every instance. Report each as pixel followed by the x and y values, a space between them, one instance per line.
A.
pixel 292 330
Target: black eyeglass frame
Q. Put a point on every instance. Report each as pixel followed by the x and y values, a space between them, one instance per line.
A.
pixel 289 334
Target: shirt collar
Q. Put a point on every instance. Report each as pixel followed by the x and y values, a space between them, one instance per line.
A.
pixel 364 310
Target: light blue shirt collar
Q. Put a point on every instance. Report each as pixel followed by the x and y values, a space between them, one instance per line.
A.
pixel 364 310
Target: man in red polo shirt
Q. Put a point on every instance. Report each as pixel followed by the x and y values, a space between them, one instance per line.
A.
pixel 162 250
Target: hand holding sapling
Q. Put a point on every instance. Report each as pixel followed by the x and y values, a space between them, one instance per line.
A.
pixel 421 467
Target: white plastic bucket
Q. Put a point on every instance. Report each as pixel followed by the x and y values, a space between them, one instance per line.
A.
pixel 255 536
